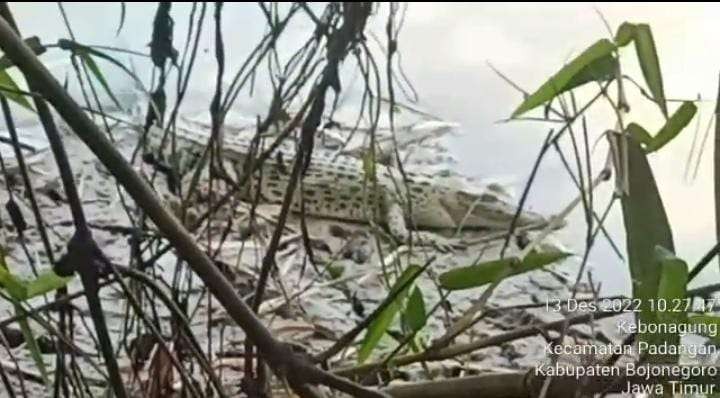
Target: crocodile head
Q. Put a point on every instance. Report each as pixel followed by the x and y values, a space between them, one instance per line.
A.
pixel 489 209
pixel 157 150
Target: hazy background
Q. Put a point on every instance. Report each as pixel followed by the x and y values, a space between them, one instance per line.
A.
pixel 445 49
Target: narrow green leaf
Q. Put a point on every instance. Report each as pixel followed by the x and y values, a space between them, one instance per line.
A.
pixel 415 314
pixel 21 290
pixel 80 48
pixel 487 272
pixel 90 62
pixel 639 133
pixel 12 285
pixel 33 347
pixel 673 126
pixel 18 292
pixel 540 258
pixel 379 326
pixel 646 226
pixel 558 83
pixel 475 275
pixel 45 282
pixel 625 34
pixel 10 89
pixel 672 287
pixel 602 69
pixel 650 65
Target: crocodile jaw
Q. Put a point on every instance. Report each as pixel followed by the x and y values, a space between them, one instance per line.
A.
pixel 486 211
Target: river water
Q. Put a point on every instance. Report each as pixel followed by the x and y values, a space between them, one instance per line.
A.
pixel 445 52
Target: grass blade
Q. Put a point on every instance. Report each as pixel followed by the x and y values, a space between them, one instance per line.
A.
pixel 77 48
pixel 90 62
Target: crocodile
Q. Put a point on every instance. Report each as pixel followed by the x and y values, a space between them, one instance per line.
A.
pixel 337 187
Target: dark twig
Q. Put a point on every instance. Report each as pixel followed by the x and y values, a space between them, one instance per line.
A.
pixel 338 45
pixel 83 254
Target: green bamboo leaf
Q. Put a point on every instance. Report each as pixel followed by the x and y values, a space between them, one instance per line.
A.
pixel 10 90
pixel 487 272
pixel 45 282
pixel 11 284
pixel 674 125
pixel 672 286
pixel 18 292
pixel 560 82
pixel 379 326
pixel 540 258
pixel 476 275
pixel 90 62
pixel 602 69
pixel 415 314
pixel 639 133
pixel 646 226
pixel 650 65
pixel 625 34
pixel 21 290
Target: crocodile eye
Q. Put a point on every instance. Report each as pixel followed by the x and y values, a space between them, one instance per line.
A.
pixel 464 197
pixel 488 198
pixel 496 187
